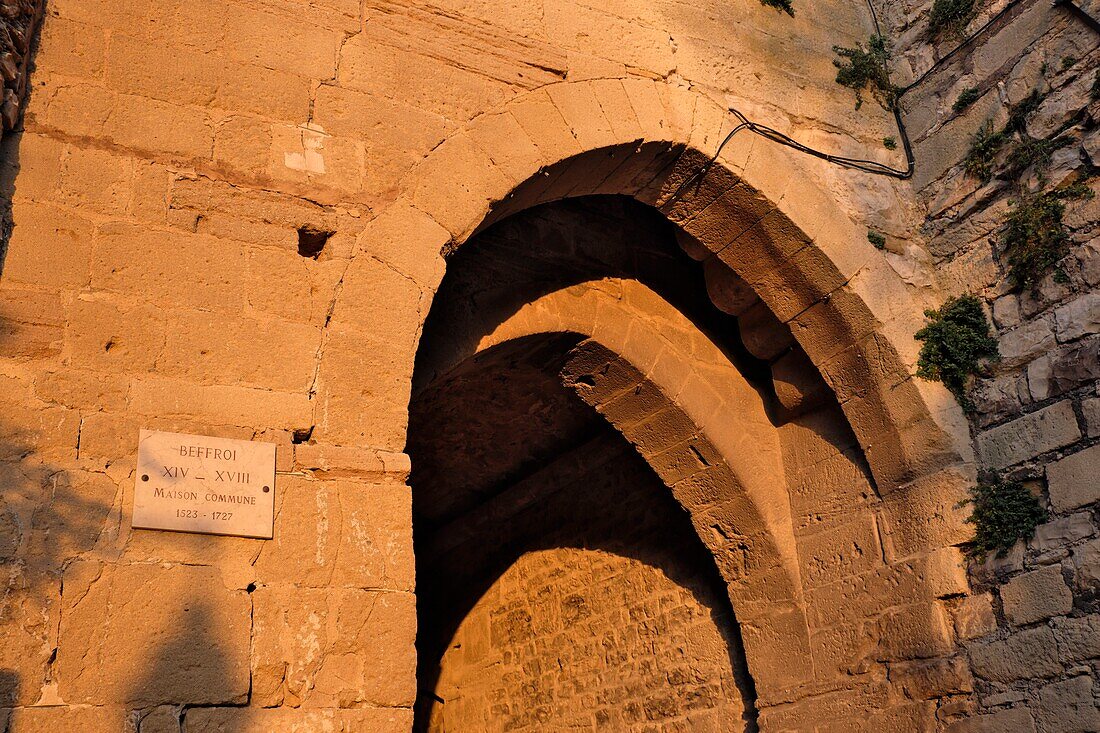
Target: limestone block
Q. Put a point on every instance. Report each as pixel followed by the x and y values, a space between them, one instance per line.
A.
pixel 1018 720
pixel 309 647
pixel 762 333
pixel 1078 638
pixel 458 185
pixel 1069 706
pixel 140 68
pixel 96 179
pixel 1036 595
pixel 31 324
pixel 1075 365
pixel 850 548
pixel 798 384
pixel 340 534
pixel 410 241
pixel 368 412
pixel 1063 532
pixel 29 629
pixel 207 347
pixel 48 246
pixel 778 649
pixel 291 720
pixel 377 297
pixel 927 514
pixel 974 616
pixel 1074 481
pixel 85 718
pixel 247 32
pixel 162 719
pixel 114 336
pixel 919 631
pixel 727 291
pixel 170 267
pixel 1086 559
pixel 191 632
pixel 221 405
pixel 500 136
pixel 1028 436
pixel 1025 654
pixel 244 143
pixel 933 678
pixel 1080 317
pixel 26 429
pixel 148 126
pixel 1026 341
pixel 83 389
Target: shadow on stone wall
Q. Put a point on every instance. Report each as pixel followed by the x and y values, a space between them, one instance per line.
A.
pixel 48 516
pixel 632 518
pixel 140 641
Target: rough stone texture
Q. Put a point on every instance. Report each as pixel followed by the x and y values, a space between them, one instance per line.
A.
pixel 586 630
pixel 1074 481
pixel 169 156
pixel 1037 595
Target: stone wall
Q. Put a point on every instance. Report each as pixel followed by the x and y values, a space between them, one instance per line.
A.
pixel 181 161
pixel 592 606
pixel 1033 629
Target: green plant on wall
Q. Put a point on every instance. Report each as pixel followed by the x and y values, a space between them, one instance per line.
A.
pixel 1035 239
pixel 867 68
pixel 966 98
pixel 949 18
pixel 1004 513
pixel 785 5
pixel 956 345
pixel 982 157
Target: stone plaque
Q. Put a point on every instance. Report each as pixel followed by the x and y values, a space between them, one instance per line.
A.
pixel 194 483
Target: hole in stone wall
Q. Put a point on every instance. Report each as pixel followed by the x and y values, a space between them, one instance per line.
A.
pixel 312 240
pixel 302 435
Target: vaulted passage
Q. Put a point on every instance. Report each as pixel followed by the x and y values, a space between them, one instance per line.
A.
pixel 560 583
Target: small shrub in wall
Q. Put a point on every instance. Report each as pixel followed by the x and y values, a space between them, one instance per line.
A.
pixel 862 68
pixel 981 159
pixel 785 5
pixel 1034 238
pixel 957 344
pixel 1004 513
pixel 949 18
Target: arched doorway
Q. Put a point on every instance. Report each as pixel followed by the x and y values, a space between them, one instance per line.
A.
pixel 823 479
pixel 530 510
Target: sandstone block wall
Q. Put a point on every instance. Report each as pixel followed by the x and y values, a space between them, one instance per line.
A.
pixel 1035 420
pixel 176 165
pixel 583 625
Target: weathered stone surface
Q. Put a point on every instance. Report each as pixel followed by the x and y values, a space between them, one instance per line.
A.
pixel 192 633
pixel 1024 654
pixel 1074 481
pixel 1036 595
pixel 1017 721
pixel 1069 707
pixel 309 642
pixel 1078 638
pixel 290 720
pixel 1046 429
pixel 974 617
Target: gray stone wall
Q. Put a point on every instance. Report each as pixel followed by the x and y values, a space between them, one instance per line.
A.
pixel 1035 632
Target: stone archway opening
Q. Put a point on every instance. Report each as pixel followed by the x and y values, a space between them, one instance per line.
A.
pixel 758 423
pixel 560 584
